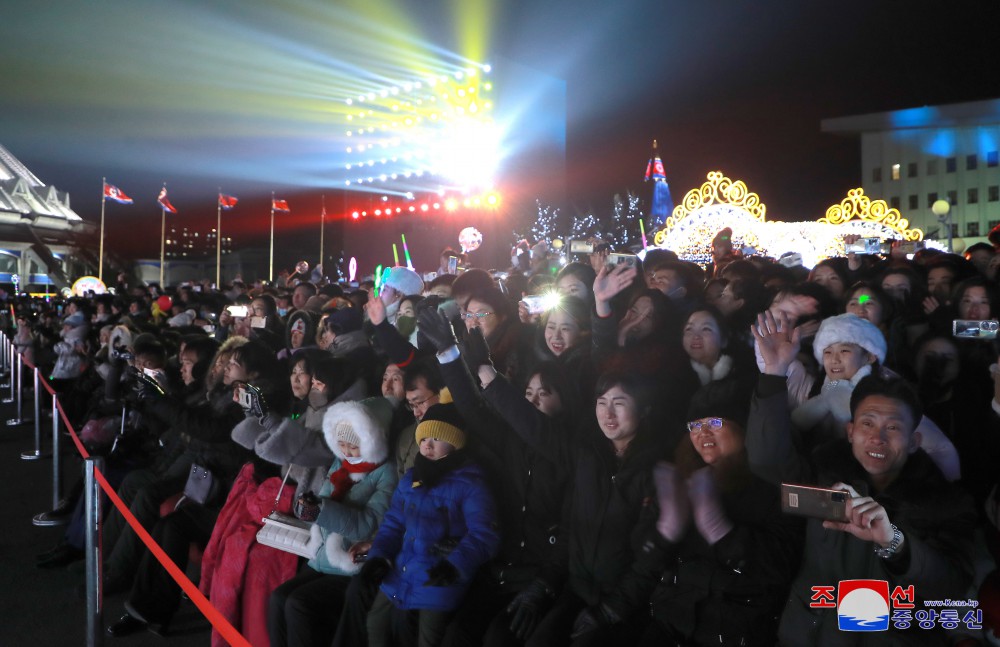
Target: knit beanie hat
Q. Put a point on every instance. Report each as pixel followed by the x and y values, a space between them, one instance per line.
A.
pixel 404 280
pixel 443 422
pixel 849 329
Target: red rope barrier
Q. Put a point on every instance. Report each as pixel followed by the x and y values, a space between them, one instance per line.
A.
pixel 225 629
pixel 223 626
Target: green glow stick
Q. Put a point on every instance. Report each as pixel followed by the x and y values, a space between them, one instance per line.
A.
pixel 378 278
pixel 395 254
pixel 642 228
pixel 406 252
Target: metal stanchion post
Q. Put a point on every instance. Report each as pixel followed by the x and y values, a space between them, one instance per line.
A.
pixel 3 356
pixel 44 518
pixel 8 362
pixel 56 463
pixel 13 422
pixel 37 453
pixel 95 583
pixel 13 381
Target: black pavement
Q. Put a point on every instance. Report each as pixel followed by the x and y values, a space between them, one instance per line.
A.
pixel 43 608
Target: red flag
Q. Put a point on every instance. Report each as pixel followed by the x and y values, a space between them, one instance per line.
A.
pixel 111 192
pixel 164 202
pixel 227 201
pixel 280 205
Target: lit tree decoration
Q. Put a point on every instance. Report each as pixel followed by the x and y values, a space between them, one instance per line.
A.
pixel 624 231
pixel 546 223
pixel 584 226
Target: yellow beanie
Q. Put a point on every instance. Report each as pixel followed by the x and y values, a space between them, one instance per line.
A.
pixel 442 422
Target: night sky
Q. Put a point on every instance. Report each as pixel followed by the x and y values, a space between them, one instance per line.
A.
pixel 237 93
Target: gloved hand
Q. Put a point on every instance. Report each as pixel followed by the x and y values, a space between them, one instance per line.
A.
pixel 444 547
pixel 527 608
pixel 374 571
pixel 709 516
pixel 146 387
pixel 436 329
pixel 476 351
pixel 252 400
pixel 593 618
pixel 442 574
pixel 675 509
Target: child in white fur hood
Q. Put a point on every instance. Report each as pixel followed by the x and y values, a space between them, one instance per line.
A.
pixel 353 500
pixel 849 348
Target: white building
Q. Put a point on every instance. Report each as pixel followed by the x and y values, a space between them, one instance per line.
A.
pixel 42 240
pixel 911 158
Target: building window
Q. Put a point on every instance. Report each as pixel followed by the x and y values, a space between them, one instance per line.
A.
pixel 932 167
pixel 911 169
pixel 993 223
pixel 970 162
pixel 994 193
pixel 953 198
pixel 895 171
pixel 894 202
pixel 914 202
pixel 954 230
pixel 971 229
pixel 877 174
pixel 992 158
pixel 931 199
pixel 950 164
pixel 972 196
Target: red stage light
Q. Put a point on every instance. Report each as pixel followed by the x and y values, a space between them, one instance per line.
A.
pixel 378 212
pixel 355 215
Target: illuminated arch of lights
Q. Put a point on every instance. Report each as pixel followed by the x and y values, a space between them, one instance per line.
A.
pixel 721 202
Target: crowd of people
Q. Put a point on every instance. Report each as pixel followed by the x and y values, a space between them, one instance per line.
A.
pixel 577 454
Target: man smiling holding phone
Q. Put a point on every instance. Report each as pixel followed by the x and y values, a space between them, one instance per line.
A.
pixel 906 524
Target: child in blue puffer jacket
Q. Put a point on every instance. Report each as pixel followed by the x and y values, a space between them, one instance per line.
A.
pixel 440 528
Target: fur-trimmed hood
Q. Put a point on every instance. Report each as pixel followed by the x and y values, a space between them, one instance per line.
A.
pixel 366 420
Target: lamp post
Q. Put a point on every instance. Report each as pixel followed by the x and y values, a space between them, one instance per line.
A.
pixel 941 209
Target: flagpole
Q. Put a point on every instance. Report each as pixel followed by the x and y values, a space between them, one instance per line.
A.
pixel 163 242
pixel 100 247
pixel 322 218
pixel 270 273
pixel 218 240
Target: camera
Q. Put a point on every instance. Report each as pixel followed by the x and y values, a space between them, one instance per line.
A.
pixel 975 328
pixel 865 246
pixel 819 503
pixel 238 311
pixel 911 246
pixel 122 353
pixel 616 258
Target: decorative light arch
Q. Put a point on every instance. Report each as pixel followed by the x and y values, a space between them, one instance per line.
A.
pixel 858 205
pixel 721 202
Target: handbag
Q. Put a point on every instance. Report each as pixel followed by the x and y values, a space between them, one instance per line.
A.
pixel 285 532
pixel 201 486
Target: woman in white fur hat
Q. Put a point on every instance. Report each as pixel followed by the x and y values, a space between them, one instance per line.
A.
pixel 849 348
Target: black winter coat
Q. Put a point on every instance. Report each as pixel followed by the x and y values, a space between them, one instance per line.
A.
pixel 607 512
pixel 531 487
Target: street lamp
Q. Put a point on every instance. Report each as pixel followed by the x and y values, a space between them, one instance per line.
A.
pixel 941 208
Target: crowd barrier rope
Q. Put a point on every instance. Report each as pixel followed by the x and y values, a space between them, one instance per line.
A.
pixel 95 482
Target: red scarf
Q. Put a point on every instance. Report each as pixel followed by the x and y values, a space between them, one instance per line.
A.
pixel 341 478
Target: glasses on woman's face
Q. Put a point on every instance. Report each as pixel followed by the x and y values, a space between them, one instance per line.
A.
pixel 712 423
pixel 475 315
